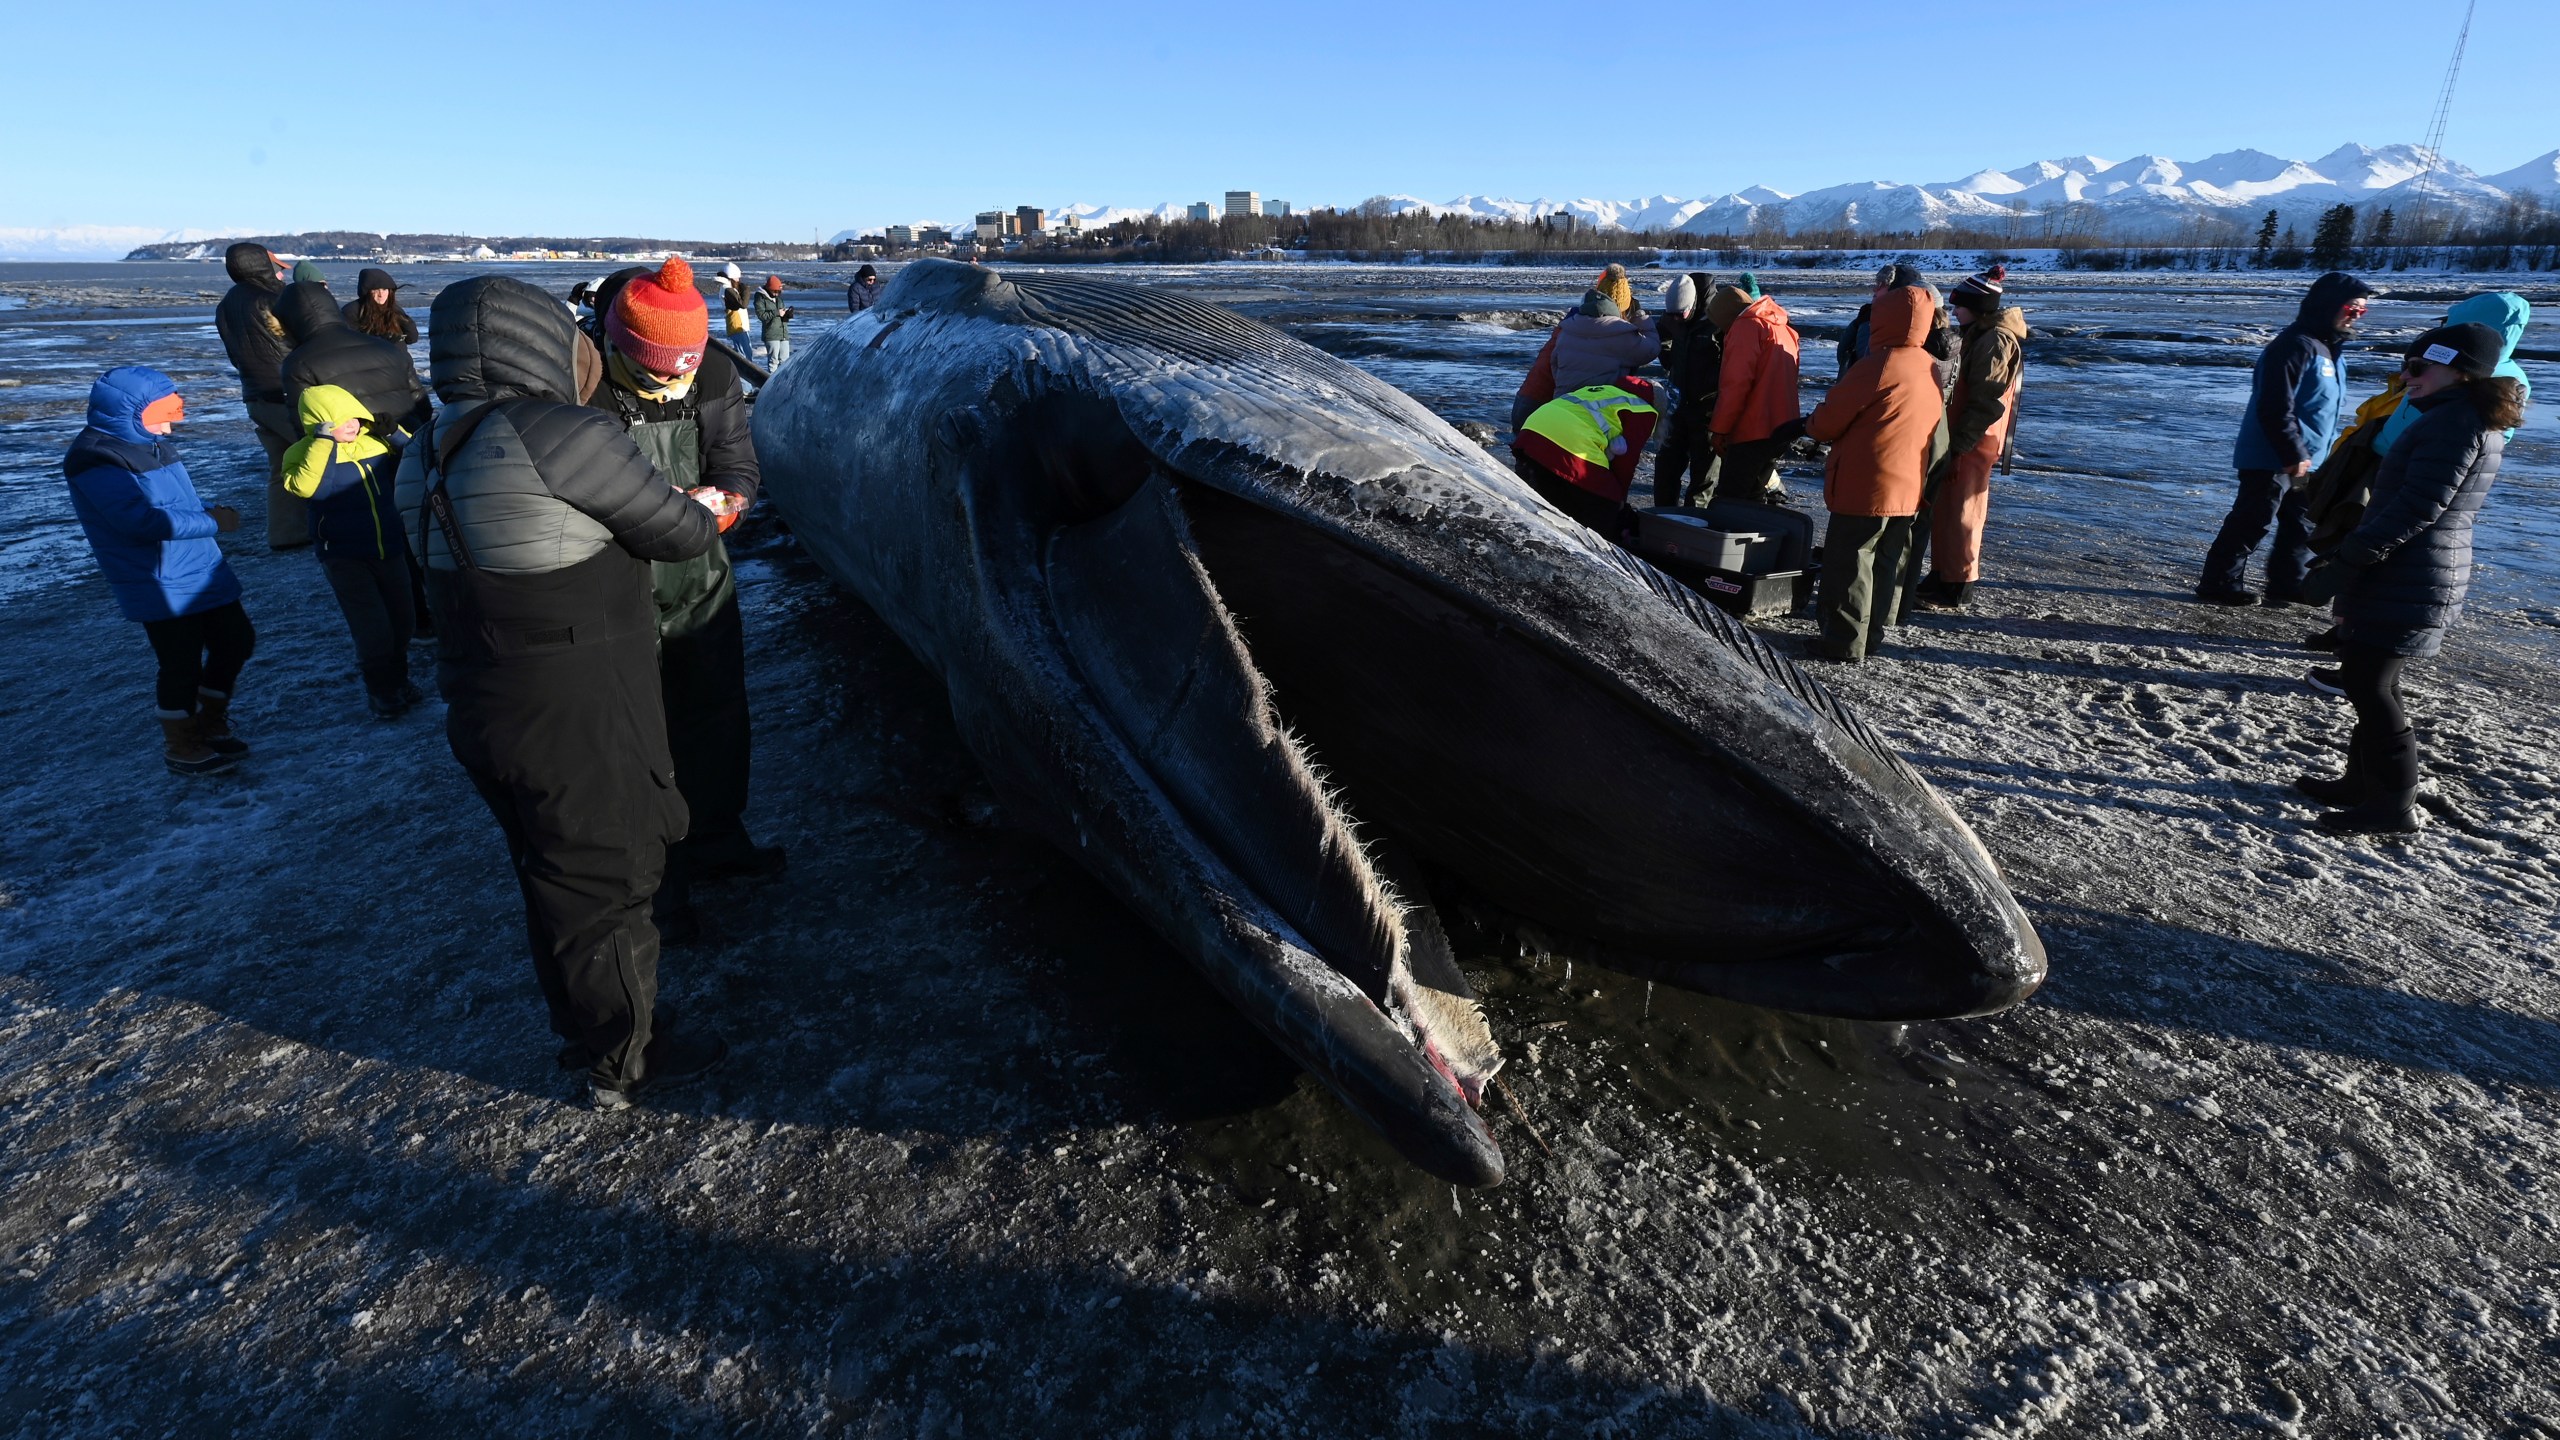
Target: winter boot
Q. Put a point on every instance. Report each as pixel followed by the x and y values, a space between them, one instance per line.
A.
pixel 384 706
pixel 2390 804
pixel 739 858
pixel 670 1060
pixel 213 723
pixel 1937 594
pixel 2326 641
pixel 2328 680
pixel 185 750
pixel 2343 790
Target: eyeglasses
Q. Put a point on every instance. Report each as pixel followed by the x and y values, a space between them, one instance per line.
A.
pixel 2357 307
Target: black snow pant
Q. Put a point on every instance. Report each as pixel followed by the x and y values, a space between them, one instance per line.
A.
pixel 199 652
pixel 703 675
pixel 2265 499
pixel 1749 468
pixel 2383 749
pixel 1598 512
pixel 1686 450
pixel 1862 566
pixel 288 514
pixel 373 594
pixel 552 684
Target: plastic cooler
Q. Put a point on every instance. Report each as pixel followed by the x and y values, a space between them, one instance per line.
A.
pixel 1754 560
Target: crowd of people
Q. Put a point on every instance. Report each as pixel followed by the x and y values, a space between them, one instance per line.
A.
pixel 550 509
pixel 553 517
pixel 2371 517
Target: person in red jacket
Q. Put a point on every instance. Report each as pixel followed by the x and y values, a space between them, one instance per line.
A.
pixel 1755 390
pixel 1881 421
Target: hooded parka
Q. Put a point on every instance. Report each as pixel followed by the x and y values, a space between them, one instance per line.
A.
pixel 329 351
pixel 251 335
pixel 2297 391
pixel 538 518
pixel 2411 555
pixel 1756 390
pixel 1881 418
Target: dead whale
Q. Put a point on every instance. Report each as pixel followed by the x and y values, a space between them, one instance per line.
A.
pixel 1261 643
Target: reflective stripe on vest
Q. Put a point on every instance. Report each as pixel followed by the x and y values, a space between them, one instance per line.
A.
pixel 1589 424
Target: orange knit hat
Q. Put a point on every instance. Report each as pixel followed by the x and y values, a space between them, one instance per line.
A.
pixel 658 321
pixel 170 408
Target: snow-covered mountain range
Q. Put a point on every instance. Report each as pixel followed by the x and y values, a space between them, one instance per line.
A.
pixel 2142 197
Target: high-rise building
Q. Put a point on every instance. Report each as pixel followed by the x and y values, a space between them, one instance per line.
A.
pixel 1029 219
pixel 1278 209
pixel 1244 202
pixel 991 224
pixel 1200 210
pixel 902 235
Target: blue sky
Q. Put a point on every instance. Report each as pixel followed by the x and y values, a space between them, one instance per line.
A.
pixel 780 120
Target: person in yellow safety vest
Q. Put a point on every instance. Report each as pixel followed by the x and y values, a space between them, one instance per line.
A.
pixel 1580 451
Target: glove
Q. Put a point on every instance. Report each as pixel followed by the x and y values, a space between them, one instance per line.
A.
pixel 1789 433
pixel 725 506
pixel 2327 581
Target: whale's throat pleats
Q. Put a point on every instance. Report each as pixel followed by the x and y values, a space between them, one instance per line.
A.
pixel 1161 656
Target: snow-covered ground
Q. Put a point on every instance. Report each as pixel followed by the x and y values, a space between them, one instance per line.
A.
pixel 282 1148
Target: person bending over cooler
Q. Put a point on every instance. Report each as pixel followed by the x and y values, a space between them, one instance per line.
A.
pixel 153 537
pixel 1580 450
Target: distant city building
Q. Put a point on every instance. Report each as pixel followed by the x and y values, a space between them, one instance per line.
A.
pixel 1200 210
pixel 1029 220
pixel 1067 225
pixel 992 225
pixel 1244 202
pixel 1278 209
pixel 902 235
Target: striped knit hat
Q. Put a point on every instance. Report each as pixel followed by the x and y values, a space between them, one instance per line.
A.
pixel 1980 293
pixel 658 321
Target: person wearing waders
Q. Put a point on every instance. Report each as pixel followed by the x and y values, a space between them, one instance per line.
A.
pixel 153 537
pixel 1886 427
pixel 2296 395
pixel 1981 416
pixel 2400 578
pixel 1692 360
pixel 680 400
pixel 775 317
pixel 733 306
pixel 256 344
pixel 538 519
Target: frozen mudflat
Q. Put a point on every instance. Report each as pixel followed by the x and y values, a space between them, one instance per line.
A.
pixel 282 1148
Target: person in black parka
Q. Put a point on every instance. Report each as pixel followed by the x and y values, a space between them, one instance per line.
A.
pixel 376 309
pixel 256 344
pixel 538 519
pixel 1692 357
pixel 2400 578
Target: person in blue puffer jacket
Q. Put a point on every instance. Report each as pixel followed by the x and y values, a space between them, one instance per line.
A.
pixel 2296 398
pixel 153 537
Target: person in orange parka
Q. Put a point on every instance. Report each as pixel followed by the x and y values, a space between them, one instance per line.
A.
pixel 1882 421
pixel 1755 389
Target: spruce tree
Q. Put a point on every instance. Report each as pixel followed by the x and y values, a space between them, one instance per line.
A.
pixel 2266 238
pixel 2335 236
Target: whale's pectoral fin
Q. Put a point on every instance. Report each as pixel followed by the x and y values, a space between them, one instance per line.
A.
pixel 1160 655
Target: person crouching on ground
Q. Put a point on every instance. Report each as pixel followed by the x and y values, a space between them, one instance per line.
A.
pixel 538 519
pixel 1579 451
pixel 1881 421
pixel 2400 578
pixel 153 537
pixel 2295 397
pixel 1755 390
pixel 681 402
pixel 1980 420
pixel 345 475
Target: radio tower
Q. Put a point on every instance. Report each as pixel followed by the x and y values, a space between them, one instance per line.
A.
pixel 2425 190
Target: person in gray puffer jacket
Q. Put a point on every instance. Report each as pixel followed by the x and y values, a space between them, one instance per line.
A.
pixel 538 519
pixel 2401 576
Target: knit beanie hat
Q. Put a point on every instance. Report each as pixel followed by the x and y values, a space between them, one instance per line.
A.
pixel 1613 283
pixel 1748 284
pixel 2472 349
pixel 1679 295
pixel 658 321
pixel 1597 303
pixel 1980 293
pixel 731 272
pixel 1724 306
pixel 773 284
pixel 866 273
